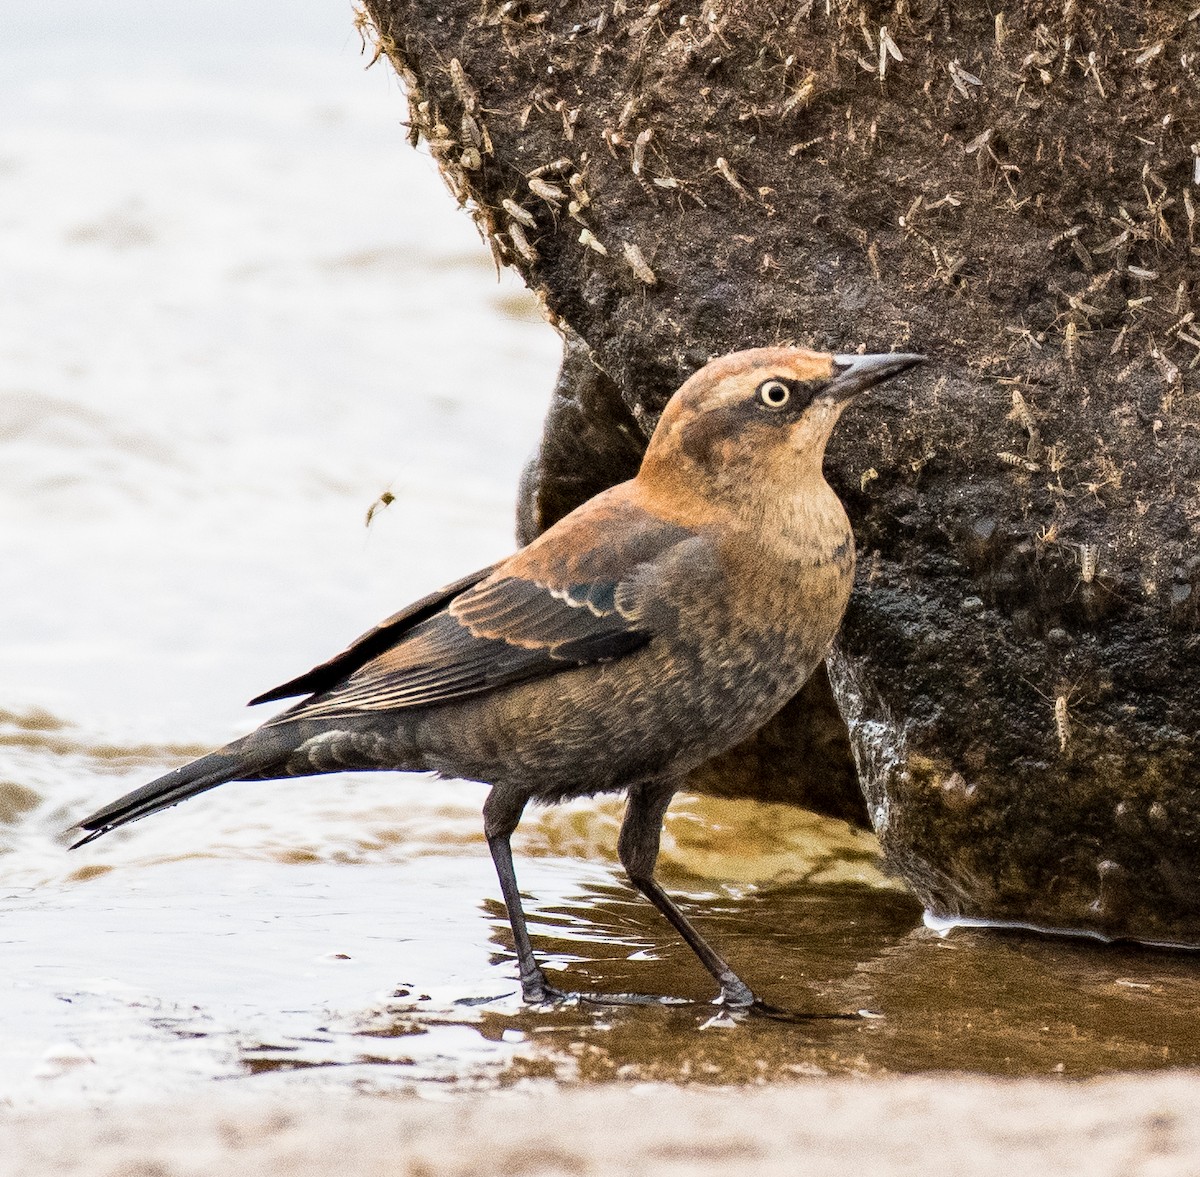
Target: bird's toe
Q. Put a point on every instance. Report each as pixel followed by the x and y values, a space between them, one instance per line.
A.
pixel 536 990
pixel 736 995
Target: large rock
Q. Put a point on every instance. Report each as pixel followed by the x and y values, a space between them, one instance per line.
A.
pixel 1012 192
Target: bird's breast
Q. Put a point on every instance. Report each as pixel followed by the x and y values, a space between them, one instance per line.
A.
pixel 789 611
pixel 792 576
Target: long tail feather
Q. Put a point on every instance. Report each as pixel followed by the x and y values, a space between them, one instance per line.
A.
pixel 231 763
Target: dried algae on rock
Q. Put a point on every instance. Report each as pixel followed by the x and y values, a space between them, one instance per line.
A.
pixel 1011 190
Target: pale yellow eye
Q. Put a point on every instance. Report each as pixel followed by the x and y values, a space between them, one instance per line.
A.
pixel 774 394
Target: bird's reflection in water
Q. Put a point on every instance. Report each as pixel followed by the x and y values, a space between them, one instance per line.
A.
pixel 801 944
pixel 790 938
pixel 1005 1003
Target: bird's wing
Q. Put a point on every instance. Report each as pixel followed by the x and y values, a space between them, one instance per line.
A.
pixel 373 642
pixel 575 596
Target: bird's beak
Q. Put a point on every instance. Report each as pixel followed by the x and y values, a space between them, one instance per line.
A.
pixel 855 374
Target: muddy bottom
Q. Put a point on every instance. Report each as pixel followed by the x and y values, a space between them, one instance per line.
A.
pixel 385 978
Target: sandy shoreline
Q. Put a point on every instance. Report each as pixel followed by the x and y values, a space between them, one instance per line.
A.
pixel 959 1125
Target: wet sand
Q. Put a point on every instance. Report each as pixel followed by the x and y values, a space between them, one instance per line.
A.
pixel 956 1126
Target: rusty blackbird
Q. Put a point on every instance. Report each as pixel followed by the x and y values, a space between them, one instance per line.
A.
pixel 657 625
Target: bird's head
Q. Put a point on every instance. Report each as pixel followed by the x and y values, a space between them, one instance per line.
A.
pixel 760 417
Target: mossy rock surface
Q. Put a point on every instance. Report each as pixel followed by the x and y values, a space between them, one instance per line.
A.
pixel 1010 189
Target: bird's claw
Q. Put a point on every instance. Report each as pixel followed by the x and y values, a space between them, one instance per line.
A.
pixel 736 996
pixel 538 991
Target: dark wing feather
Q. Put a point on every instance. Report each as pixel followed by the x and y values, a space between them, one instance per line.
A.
pixel 565 601
pixel 372 643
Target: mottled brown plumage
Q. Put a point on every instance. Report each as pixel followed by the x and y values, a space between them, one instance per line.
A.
pixel 654 627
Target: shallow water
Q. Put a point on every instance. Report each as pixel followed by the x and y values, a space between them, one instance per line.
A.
pixel 238 309
pixel 383 978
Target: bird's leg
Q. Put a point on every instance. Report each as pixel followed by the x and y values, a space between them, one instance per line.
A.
pixel 501 813
pixel 637 848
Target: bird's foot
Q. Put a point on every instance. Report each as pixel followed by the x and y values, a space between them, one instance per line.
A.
pixel 633 999
pixel 548 995
pixel 736 994
pixel 760 1009
pixel 536 990
pixel 738 998
pixel 545 994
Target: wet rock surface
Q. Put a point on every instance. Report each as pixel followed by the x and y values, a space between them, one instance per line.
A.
pixel 1011 191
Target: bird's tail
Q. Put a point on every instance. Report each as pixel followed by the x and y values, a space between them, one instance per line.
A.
pixel 244 759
